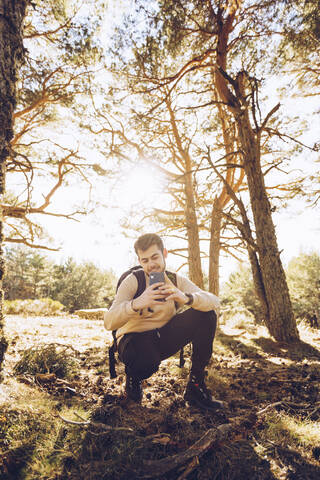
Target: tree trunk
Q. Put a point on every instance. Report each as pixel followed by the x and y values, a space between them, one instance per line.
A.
pixel 258 284
pixel 281 323
pixel 194 259
pixel 214 248
pixel 231 181
pixel 12 14
pixel 246 234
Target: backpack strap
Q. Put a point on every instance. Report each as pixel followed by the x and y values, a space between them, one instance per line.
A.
pixel 112 360
pixel 127 273
pixel 141 279
pixel 181 358
pixel 172 277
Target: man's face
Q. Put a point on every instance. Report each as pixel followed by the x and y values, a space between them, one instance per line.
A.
pixel 152 259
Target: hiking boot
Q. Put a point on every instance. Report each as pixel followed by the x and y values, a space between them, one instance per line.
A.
pixel 197 394
pixel 133 389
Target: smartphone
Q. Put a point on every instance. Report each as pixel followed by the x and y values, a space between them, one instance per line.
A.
pixel 156 277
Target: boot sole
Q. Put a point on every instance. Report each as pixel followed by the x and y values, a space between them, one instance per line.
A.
pixel 196 403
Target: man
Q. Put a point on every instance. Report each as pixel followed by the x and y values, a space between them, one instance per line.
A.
pixel 149 329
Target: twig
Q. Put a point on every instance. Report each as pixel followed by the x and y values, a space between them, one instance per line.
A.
pixel 73 391
pixel 313 412
pixel 268 407
pixel 289 404
pixel 81 418
pixel 162 438
pixel 72 422
pixel 106 428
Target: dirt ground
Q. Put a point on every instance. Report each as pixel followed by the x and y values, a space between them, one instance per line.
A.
pixel 271 393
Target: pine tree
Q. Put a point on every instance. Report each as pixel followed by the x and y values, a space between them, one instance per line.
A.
pixel 62 51
pixel 12 16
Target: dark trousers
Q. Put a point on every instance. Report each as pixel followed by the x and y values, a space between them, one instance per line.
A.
pixel 142 352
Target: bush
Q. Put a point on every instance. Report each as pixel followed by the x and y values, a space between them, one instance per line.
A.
pixel 91 314
pixel 41 307
pixel 238 296
pixel 82 286
pixel 47 359
pixel 30 275
pixel 304 284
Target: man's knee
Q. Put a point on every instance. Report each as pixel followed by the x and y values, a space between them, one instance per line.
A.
pixel 212 317
pixel 207 321
pixel 209 317
pixel 143 369
pixel 139 363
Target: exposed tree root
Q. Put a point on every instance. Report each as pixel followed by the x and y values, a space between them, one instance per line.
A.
pixel 155 468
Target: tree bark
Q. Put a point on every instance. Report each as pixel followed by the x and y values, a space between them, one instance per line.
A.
pixel 12 14
pixel 214 248
pixel 194 259
pixel 280 320
pixel 258 284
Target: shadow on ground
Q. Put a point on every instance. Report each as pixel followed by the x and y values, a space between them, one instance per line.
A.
pixel 296 467
pixel 296 352
pixel 12 464
pixel 121 455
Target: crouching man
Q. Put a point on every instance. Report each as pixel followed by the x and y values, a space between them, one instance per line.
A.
pixel 149 329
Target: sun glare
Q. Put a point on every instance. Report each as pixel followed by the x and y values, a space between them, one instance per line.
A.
pixel 142 186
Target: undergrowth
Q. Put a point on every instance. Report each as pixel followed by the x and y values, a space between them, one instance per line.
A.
pixel 35 443
pixel 47 359
pixel 249 371
pixel 39 306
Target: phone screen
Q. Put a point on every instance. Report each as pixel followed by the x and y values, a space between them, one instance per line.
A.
pixel 156 277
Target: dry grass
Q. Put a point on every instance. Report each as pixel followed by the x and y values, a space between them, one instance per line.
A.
pixel 248 370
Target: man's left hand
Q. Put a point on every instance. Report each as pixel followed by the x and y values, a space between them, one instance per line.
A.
pixel 173 293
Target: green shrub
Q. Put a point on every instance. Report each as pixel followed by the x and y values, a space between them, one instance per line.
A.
pixel 304 283
pixel 48 359
pixel 41 306
pixel 238 296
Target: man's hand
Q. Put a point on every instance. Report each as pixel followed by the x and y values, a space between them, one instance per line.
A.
pixel 149 298
pixel 173 293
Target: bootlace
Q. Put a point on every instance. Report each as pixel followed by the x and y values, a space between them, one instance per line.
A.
pixel 134 384
pixel 201 386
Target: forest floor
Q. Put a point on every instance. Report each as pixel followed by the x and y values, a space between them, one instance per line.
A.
pixel 78 426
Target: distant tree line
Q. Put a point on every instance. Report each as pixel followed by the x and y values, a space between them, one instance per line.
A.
pixel 303 277
pixel 31 275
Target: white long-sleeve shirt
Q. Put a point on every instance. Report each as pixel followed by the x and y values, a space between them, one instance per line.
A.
pixel 124 319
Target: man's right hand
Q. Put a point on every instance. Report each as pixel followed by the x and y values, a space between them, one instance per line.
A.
pixel 149 298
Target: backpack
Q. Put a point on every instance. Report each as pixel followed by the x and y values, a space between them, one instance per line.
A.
pixel 138 272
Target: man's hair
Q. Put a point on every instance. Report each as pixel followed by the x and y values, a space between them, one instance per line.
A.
pixel 146 240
